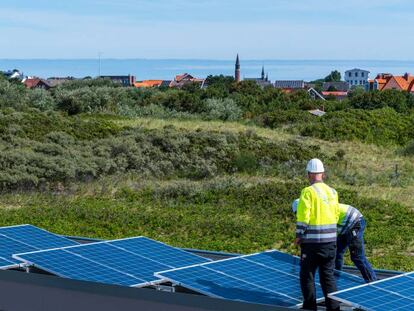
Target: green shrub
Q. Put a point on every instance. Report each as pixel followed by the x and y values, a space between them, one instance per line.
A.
pixel 409 149
pixel 222 109
pixel 246 162
pixel 46 148
pixel 280 118
pixel 400 101
pixel 380 126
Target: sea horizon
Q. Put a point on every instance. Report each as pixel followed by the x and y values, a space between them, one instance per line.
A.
pixel 167 68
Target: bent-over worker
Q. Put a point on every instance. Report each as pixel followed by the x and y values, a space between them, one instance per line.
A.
pixel 351 227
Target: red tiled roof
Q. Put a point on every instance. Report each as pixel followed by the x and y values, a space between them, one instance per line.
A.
pixel 178 78
pixel 334 93
pixel 148 83
pixel 31 83
pixel 404 83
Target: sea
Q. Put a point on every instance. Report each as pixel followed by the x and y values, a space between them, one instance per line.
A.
pixel 167 69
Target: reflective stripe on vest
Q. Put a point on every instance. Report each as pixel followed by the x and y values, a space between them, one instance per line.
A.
pixel 351 218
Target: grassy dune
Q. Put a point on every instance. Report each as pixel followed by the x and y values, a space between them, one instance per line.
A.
pixel 245 211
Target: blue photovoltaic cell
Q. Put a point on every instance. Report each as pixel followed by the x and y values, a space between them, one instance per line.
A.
pixel 36 237
pixel 5 263
pixel 73 266
pixel 137 259
pixel 271 272
pixel 8 247
pixel 159 252
pixel 138 266
pixel 221 285
pixel 27 238
pixel 396 293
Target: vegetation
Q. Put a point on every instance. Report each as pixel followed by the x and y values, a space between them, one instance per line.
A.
pixel 215 168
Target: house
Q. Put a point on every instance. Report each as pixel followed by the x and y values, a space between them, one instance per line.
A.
pixel 289 85
pixel 13 74
pixel 123 80
pixel 357 77
pixel 263 81
pixel 148 83
pixel 338 95
pixel 386 81
pixel 379 82
pixel 339 86
pixel 166 83
pixel 187 79
pixel 36 83
pixel 338 90
pixel 314 94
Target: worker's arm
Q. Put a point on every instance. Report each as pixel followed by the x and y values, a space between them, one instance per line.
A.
pixel 303 213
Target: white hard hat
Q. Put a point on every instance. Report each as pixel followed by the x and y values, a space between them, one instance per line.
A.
pixel 295 205
pixel 315 166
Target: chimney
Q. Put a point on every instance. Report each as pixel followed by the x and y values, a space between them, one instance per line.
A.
pixel 406 76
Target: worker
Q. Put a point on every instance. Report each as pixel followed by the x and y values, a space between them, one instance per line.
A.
pixel 316 233
pixel 351 227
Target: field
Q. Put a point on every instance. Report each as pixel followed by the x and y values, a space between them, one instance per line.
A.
pixel 215 185
pixel 213 168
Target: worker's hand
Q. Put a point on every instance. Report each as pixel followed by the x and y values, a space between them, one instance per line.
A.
pixel 297 241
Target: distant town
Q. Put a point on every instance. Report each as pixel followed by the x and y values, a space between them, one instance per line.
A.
pixel 335 86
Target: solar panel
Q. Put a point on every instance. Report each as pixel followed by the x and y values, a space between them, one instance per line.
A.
pixel 36 237
pixel 128 262
pixel 6 264
pixel 158 251
pixel 396 293
pixel 273 274
pixel 26 238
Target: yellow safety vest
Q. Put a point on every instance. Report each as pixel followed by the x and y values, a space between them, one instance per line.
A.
pixel 317 214
pixel 348 217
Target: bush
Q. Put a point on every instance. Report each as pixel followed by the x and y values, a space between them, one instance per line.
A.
pixel 46 148
pixel 409 149
pixel 222 109
pixel 380 126
pixel 400 101
pixel 42 100
pixel 280 118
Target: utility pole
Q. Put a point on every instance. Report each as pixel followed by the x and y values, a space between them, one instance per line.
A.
pixel 99 56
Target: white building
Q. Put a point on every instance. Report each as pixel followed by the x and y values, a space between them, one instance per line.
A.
pixel 357 77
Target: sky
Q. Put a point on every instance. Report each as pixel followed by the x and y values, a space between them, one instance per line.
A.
pixel 207 29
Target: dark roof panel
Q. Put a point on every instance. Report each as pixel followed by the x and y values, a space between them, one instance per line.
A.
pixel 289 84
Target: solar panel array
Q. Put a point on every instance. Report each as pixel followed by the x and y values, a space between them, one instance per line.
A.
pixel 396 293
pixel 128 262
pixel 26 238
pixel 268 278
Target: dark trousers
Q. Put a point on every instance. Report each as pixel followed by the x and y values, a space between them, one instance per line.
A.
pixel 354 239
pixel 318 256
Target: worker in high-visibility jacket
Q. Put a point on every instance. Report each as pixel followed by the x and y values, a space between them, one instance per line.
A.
pixel 351 226
pixel 316 232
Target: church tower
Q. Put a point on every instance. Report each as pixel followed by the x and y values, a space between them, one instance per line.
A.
pixel 263 73
pixel 237 71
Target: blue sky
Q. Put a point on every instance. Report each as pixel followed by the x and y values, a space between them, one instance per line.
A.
pixel 207 29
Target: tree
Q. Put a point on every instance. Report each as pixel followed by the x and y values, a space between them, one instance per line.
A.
pixel 334 76
pixel 219 81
